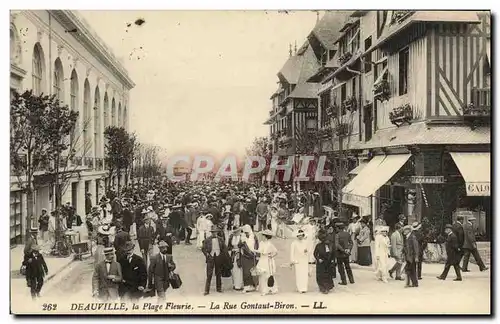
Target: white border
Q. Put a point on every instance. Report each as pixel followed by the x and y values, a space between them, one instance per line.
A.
pixel 189 4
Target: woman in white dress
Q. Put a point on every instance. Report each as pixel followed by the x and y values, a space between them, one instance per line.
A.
pixel 299 258
pixel 234 249
pixel 266 267
pixel 310 236
pixel 273 219
pixel 200 235
pixel 382 245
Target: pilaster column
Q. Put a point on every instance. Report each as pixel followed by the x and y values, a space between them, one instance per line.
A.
pixel 80 198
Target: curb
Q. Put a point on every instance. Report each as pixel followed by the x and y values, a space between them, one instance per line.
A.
pixel 52 275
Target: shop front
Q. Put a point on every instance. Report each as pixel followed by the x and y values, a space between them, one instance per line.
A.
pixel 362 191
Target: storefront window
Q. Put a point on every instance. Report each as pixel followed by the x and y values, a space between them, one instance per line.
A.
pixel 16 216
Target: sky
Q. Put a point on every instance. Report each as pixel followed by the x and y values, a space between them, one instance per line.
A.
pixel 203 78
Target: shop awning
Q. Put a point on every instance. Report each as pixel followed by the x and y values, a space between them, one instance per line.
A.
pixel 378 171
pixel 475 169
pixel 359 168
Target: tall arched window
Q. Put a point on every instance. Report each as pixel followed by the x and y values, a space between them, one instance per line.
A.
pixel 125 124
pixel 58 80
pixel 120 115
pixel 113 112
pixel 38 70
pixel 106 111
pixel 97 123
pixel 86 119
pixel 12 44
pixel 74 101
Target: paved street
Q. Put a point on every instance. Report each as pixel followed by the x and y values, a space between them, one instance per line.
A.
pixel 366 296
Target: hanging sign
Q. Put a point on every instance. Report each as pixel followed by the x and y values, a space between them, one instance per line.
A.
pixel 427 179
pixel 478 188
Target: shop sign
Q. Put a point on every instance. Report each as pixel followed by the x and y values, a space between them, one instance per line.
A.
pixel 359 201
pixel 478 188
pixel 427 179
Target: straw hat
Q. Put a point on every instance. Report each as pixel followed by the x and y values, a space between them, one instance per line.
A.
pixel 301 233
pixel 109 250
pixel 162 244
pixel 416 226
pixel 104 230
pixel 267 232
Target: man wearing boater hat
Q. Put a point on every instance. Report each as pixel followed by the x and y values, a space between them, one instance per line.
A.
pixel 107 277
pixel 213 249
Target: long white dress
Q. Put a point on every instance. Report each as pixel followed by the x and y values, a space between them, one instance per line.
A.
pixel 237 272
pixel 382 245
pixel 299 257
pixel 267 267
pixel 200 228
pixel 274 221
pixel 310 231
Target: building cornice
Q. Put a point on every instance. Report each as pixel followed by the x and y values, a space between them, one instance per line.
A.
pixel 17 71
pixel 70 20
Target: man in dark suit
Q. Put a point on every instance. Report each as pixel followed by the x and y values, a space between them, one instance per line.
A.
pixel 458 230
pixel 128 217
pixel 411 251
pixel 145 237
pixel 159 271
pixel 453 253
pixel 107 277
pixel 343 246
pixel 134 273
pixel 470 247
pixel 36 269
pixel 121 238
pixel 214 249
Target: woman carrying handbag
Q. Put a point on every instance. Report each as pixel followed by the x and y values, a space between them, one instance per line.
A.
pixel 266 267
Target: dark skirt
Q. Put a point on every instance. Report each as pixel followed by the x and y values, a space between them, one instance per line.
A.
pixel 246 265
pixel 324 276
pixel 364 256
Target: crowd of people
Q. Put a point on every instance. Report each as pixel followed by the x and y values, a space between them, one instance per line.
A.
pixel 235 226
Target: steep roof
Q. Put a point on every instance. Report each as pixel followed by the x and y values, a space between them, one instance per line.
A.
pixel 305 90
pixel 327 29
pixel 300 67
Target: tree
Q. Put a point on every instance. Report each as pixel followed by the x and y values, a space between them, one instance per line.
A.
pixel 38 126
pixel 260 147
pixel 119 151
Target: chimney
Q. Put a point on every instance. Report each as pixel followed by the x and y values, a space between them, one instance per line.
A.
pixel 295 47
pixel 317 16
pixel 290 51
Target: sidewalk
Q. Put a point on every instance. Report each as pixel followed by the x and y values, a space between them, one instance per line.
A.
pixel 54 264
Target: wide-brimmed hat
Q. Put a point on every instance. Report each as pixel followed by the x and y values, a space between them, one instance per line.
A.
pixel 246 229
pixel 150 209
pixel 416 226
pixel 162 244
pixel 129 245
pixel 144 211
pixel 109 250
pixel 448 226
pixel 339 225
pixel 104 230
pixel 267 232
pixel 176 206
pixel 300 233
pixel 381 229
pixel 407 228
pixel 209 216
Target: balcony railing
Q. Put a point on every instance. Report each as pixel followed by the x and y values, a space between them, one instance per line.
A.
pixel 99 164
pixel 479 110
pixel 88 162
